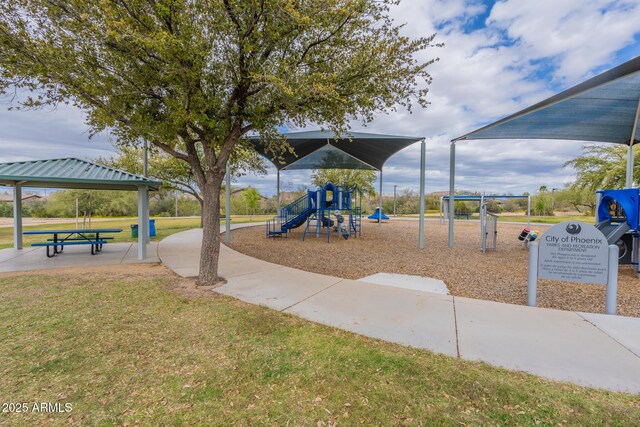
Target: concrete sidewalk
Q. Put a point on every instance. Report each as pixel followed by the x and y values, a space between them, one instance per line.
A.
pixel 593 350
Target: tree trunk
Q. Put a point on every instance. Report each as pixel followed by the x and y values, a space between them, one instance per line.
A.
pixel 210 232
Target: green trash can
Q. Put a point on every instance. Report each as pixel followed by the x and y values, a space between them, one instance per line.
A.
pixel 134 231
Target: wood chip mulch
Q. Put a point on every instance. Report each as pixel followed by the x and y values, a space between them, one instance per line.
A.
pixel 393 248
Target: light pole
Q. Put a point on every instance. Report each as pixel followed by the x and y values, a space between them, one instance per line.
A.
pixel 553 199
pixel 394 200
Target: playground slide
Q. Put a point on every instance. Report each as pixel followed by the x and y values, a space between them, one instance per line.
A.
pixel 298 220
pixel 613 231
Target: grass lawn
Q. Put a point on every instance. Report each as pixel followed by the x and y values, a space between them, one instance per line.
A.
pixel 547 219
pixel 164 228
pixel 534 219
pixel 541 219
pixel 134 345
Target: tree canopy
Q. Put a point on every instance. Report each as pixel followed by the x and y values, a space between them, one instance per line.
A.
pixel 603 166
pixel 174 173
pixel 193 77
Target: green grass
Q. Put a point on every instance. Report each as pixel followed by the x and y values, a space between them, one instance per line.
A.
pixel 547 219
pixel 164 228
pixel 542 219
pixel 126 349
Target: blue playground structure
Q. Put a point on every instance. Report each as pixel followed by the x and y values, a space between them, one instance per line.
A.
pixel 316 209
pixel 617 216
pixel 376 215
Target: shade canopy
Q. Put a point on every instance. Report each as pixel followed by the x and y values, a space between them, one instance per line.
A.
pixel 71 173
pixel 323 150
pixel 601 109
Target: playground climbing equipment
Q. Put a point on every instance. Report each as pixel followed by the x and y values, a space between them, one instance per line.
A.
pixel 488 220
pixel 527 236
pixel 325 210
pixel 488 227
pixel 617 216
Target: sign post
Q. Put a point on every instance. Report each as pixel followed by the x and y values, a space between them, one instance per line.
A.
pixel 574 252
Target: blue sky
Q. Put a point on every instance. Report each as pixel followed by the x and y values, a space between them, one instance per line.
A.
pixel 499 57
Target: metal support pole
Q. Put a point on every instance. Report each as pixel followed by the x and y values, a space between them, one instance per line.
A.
pixel 452 180
pixel 629 181
pixel 423 161
pixel 495 233
pixel 637 256
pixel 17 216
pixel 532 288
pixel 227 210
pixel 380 206
pixel 634 252
pixel 611 298
pixel 483 225
pixel 145 172
pixel 77 211
pixel 445 213
pixel 395 187
pixel 176 203
pixel 529 212
pixel 147 217
pixel 143 221
pixel 598 200
pixel 278 195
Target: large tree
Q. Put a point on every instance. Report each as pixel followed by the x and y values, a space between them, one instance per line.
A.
pixel 603 166
pixel 193 77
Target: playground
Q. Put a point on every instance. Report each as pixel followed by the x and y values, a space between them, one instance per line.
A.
pixel 390 247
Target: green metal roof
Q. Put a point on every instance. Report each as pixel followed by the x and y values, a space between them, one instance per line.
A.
pixel 320 149
pixel 71 173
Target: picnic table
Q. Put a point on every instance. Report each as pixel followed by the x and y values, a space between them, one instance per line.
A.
pixel 72 237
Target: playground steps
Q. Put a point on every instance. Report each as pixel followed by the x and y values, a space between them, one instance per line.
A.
pixel 355 228
pixel 290 216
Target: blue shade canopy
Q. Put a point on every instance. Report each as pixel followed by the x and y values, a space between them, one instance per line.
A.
pixel 71 173
pixel 323 150
pixel 601 109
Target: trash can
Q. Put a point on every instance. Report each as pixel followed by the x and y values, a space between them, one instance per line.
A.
pixel 152 228
pixel 134 231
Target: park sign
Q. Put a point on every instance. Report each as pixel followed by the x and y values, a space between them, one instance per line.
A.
pixel 573 252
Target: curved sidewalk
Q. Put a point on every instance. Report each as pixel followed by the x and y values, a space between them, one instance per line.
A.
pixel 588 349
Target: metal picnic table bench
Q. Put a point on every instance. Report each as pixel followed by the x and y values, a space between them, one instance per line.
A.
pixel 62 238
